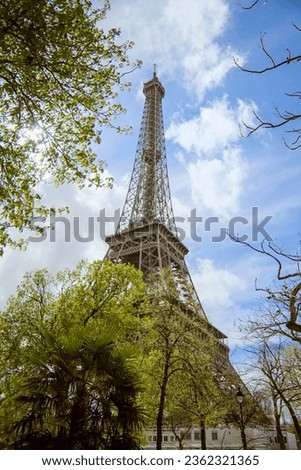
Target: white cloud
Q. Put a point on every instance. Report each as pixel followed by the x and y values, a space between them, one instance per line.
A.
pixel 218 173
pixel 216 184
pixel 216 127
pixel 69 243
pixel 217 287
pixel 181 37
pixel 218 290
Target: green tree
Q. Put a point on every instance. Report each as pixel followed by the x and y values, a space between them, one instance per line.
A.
pixel 204 397
pixel 280 366
pixel 177 334
pixel 60 72
pixel 276 358
pixel 176 416
pixel 80 393
pixel 65 359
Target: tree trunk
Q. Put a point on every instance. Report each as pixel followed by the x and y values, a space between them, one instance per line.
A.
pixel 277 416
pixel 161 407
pixel 203 433
pixel 295 420
pixel 180 441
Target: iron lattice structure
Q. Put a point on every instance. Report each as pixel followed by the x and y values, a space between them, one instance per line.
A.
pixel 148 198
pixel 146 236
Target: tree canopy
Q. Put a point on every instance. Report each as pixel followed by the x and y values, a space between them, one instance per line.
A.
pixel 60 72
pixel 182 364
pixel 69 367
pixel 90 356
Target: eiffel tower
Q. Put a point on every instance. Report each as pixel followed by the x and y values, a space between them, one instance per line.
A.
pixel 146 235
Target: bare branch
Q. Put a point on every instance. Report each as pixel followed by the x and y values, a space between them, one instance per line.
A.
pixel 250 6
pixel 274 65
pixel 288 60
pixel 277 251
pixel 286 118
pixel 294 326
pixel 262 46
pixel 287 299
pixel 296 26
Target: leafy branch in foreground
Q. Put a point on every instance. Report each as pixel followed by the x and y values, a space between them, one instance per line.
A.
pixel 60 72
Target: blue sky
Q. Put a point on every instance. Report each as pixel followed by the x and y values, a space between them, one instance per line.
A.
pixel 211 168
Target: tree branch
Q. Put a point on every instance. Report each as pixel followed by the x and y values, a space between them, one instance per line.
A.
pixel 250 6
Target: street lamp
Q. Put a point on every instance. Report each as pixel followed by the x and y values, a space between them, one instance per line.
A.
pixel 240 398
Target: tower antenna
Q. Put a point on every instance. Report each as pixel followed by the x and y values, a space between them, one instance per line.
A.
pixel 155 70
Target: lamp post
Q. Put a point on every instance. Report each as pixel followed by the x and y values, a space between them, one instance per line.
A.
pixel 240 399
